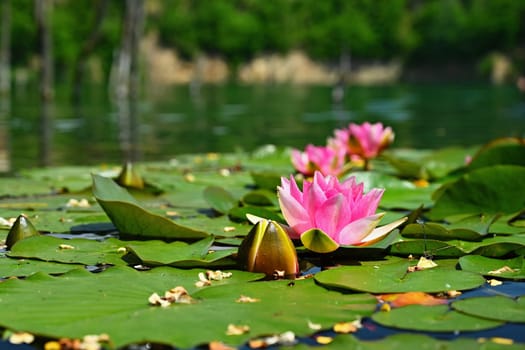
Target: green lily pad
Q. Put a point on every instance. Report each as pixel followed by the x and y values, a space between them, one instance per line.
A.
pixel 438 318
pixel 500 268
pixel 471 228
pixel 490 190
pixel 497 246
pixel 219 199
pixel 501 151
pixel 261 197
pixel 115 302
pixel 400 194
pixel 265 179
pixel 70 251
pixel 394 278
pixel 182 254
pixel 131 219
pixel 25 267
pixel 496 307
pixel 404 341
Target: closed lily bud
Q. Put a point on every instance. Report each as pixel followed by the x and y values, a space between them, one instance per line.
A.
pixel 267 248
pixel 129 177
pixel 22 228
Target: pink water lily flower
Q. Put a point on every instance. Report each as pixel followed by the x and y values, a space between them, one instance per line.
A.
pixel 334 213
pixel 327 160
pixel 366 140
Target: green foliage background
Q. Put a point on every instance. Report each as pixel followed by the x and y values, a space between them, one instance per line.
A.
pixel 426 31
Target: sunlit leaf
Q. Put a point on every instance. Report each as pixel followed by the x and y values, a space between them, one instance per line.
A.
pixel 219 199
pixel 115 302
pixel 395 278
pixel 25 267
pixel 503 268
pixel 490 190
pixel 200 253
pixel 131 219
pixel 496 307
pixel 432 319
pixel 70 251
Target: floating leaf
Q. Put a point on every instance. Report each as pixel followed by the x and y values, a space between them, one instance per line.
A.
pixel 471 228
pixel 131 219
pixel 25 267
pixel 404 341
pixel 115 302
pixel 394 278
pixel 503 268
pixel 496 307
pixel 220 200
pixel 437 318
pixel 182 254
pixel 70 251
pixel 497 246
pixel 500 151
pixel 261 197
pixel 489 190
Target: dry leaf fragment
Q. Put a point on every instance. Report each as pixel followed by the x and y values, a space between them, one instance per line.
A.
pixel 237 329
pixel 122 250
pixel 246 299
pixel 453 293
pixel 52 345
pixel 21 338
pixel 502 270
pixel 228 229
pixel 314 326
pixel 323 340
pixel 217 345
pixel 175 295
pixel 75 203
pixel 494 282
pixel 66 247
pixel 385 307
pixel 347 327
pixel 286 339
pixel 422 264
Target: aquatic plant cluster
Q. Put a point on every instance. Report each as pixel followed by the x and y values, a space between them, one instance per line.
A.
pixel 246 249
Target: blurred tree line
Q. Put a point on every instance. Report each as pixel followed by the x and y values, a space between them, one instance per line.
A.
pixel 411 30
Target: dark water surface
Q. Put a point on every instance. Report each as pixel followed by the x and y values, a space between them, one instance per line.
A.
pixel 223 118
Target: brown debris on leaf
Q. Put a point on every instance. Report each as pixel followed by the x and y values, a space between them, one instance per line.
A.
pixel 237 329
pixel 422 264
pixel 284 339
pixel 177 295
pixel 501 270
pixel 205 279
pixel 246 299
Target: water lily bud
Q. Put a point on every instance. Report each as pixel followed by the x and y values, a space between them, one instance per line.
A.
pixel 22 228
pixel 129 177
pixel 267 248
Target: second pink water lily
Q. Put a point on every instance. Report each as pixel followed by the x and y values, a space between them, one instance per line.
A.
pixel 328 213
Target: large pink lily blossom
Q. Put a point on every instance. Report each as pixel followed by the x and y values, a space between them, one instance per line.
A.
pixel 327 160
pixel 341 210
pixel 366 140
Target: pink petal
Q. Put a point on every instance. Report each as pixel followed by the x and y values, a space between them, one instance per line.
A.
pixel 294 213
pixel 354 232
pixel 328 215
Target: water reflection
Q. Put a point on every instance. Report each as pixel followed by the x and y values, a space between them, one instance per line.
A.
pixel 225 118
pixel 5 107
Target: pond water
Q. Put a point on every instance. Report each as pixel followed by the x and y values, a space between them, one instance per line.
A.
pixel 224 118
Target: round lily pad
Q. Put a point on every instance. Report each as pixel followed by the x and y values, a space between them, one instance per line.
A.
pixel 439 318
pixel 394 278
pixel 495 307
